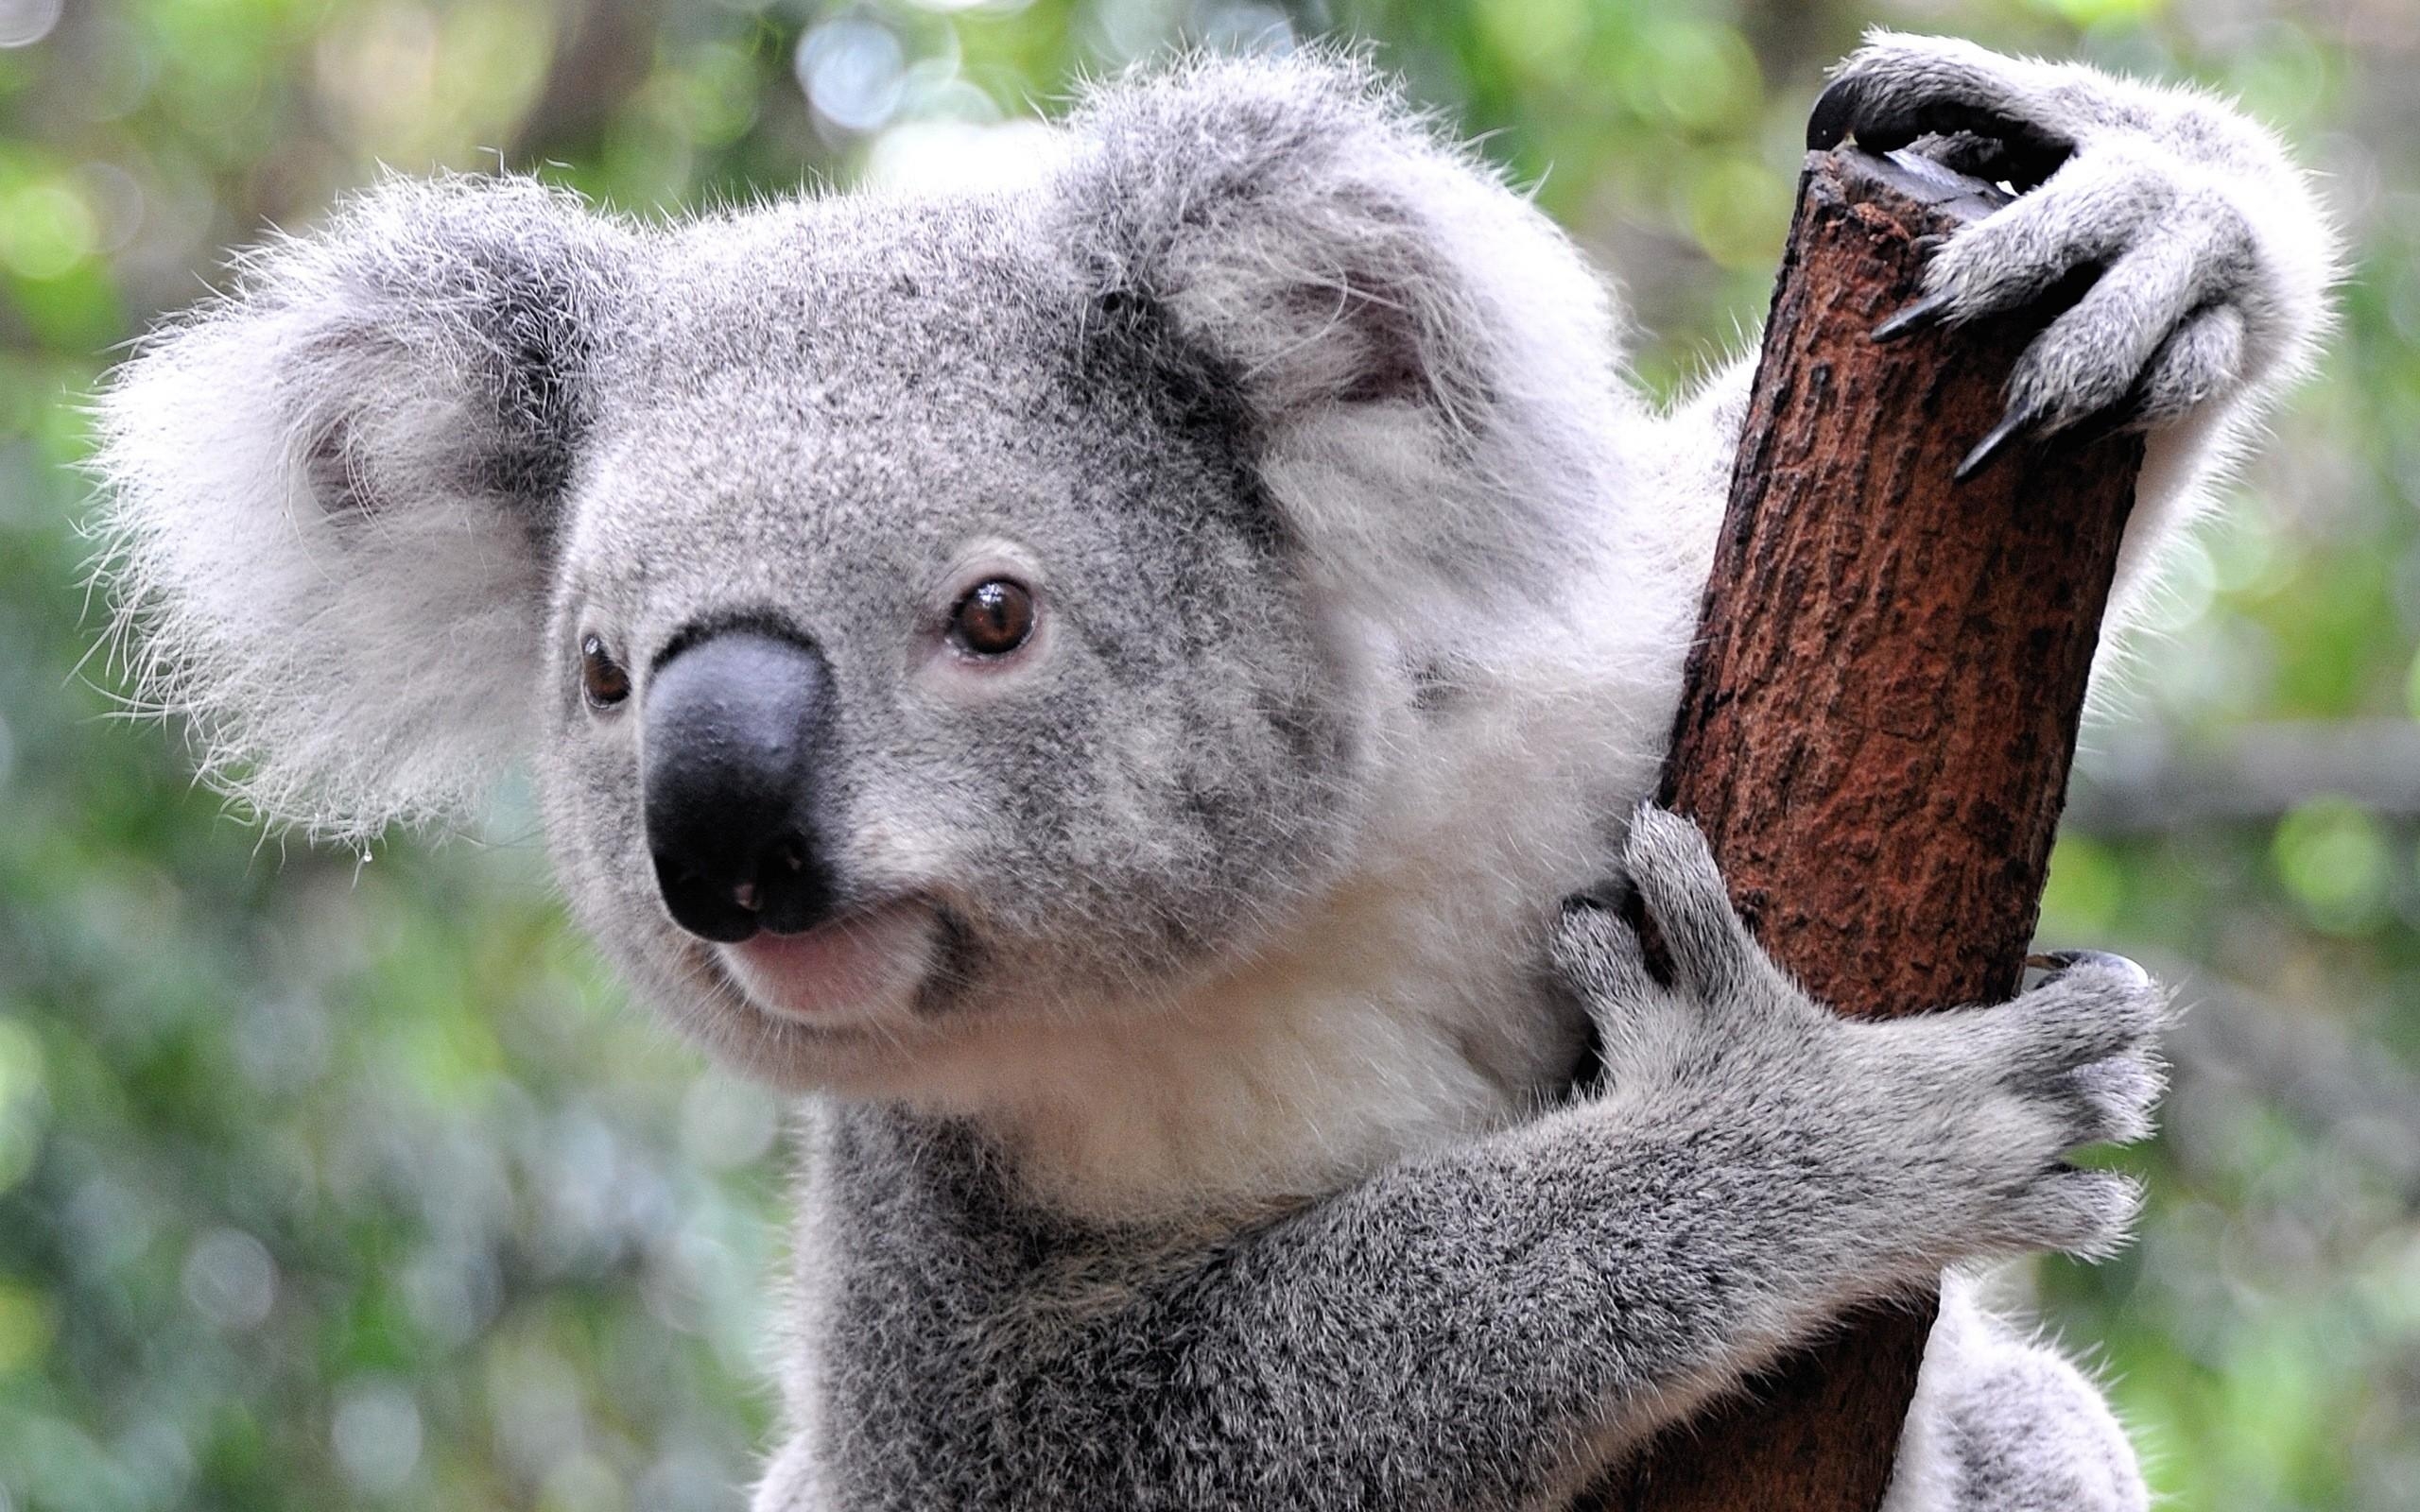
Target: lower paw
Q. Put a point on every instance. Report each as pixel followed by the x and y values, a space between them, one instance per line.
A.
pixel 2006 1095
pixel 1940 1137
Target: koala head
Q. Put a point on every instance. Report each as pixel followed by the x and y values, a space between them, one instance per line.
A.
pixel 922 610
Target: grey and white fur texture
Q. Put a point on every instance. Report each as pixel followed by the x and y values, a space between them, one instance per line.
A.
pixel 1198 610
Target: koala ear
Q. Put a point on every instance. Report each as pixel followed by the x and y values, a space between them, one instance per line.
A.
pixel 333 496
pixel 1430 365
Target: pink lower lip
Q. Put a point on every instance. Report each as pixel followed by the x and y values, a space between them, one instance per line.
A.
pixel 856 963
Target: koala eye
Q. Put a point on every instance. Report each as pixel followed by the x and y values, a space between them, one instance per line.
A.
pixel 994 618
pixel 603 681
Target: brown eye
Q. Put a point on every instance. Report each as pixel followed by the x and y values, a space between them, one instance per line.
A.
pixel 995 618
pixel 603 681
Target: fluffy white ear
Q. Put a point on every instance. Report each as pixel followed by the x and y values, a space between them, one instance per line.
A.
pixel 1431 363
pixel 333 495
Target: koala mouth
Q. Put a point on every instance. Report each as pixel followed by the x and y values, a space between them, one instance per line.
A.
pixel 864 964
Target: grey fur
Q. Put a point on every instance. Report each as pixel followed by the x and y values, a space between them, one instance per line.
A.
pixel 1476 1328
pixel 1199 1128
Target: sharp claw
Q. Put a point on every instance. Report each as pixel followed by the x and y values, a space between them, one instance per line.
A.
pixel 1915 317
pixel 2059 962
pixel 2012 424
pixel 1835 110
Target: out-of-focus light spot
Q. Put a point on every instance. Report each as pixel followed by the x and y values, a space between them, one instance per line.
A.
pixel 108 1226
pixel 280 1043
pixel 25 1327
pixel 1695 74
pixel 534 1399
pixel 2286 78
pixel 1548 38
pixel 414 81
pixel 229 1278
pixel 156 1461
pixel 995 7
pixel 2096 12
pixel 120 64
pixel 25 1100
pixel 853 71
pixel 1702 75
pixel 2247 552
pixel 1737 208
pixel 117 202
pixel 583 1483
pixel 726 1123
pixel 377 1435
pixel 934 155
pixel 2086 890
pixel 1251 30
pixel 24 22
pixel 1126 29
pixel 937 93
pixel 711 99
pixel 45 230
pixel 2335 862
pixel 684 1480
pixel 452 1295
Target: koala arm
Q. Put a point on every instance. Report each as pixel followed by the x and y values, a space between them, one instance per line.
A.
pixel 2214 260
pixel 1479 1326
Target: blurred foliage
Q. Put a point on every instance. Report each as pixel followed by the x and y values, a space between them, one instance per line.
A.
pixel 332 1181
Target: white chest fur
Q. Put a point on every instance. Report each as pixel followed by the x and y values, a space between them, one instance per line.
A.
pixel 1404 1008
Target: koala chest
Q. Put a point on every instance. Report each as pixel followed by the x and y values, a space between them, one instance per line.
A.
pixel 1283 1082
pixel 1407 1010
pixel 946 1334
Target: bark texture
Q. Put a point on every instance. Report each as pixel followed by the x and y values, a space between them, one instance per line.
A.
pixel 1877 724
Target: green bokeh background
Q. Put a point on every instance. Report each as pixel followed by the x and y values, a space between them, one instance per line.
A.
pixel 330 1180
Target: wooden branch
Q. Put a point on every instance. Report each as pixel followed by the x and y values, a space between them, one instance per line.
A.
pixel 1877 723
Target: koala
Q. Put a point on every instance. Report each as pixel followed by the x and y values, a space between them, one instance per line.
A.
pixel 1118 688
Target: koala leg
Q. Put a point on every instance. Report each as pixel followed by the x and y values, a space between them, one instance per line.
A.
pixel 2004 1423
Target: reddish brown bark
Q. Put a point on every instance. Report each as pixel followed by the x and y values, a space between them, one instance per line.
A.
pixel 1877 725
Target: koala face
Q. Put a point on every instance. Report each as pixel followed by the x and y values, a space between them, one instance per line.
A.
pixel 925 612
pixel 961 664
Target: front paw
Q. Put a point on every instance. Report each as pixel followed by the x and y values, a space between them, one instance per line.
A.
pixel 1927 1140
pixel 2194 254
pixel 2015 1091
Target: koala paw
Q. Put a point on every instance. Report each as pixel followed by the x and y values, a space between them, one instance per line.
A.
pixel 2191 249
pixel 1927 1141
pixel 2071 1063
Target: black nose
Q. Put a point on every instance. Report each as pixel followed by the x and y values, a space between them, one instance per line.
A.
pixel 738 724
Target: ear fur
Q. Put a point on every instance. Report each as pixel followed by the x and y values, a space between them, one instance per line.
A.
pixel 333 495
pixel 1432 365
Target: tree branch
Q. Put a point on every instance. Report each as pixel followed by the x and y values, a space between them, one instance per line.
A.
pixel 1877 723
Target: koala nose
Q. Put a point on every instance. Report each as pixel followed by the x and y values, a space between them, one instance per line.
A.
pixel 736 726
